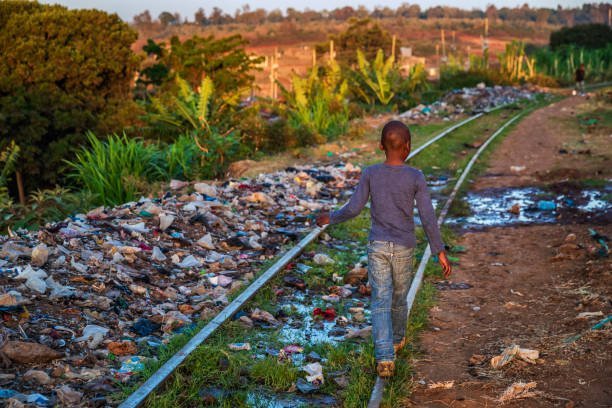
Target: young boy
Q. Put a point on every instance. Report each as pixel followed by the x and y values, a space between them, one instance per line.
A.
pixel 393 187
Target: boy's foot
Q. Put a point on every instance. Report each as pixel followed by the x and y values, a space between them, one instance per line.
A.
pixel 399 346
pixel 385 369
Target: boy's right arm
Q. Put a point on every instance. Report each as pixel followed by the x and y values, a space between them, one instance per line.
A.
pixel 351 209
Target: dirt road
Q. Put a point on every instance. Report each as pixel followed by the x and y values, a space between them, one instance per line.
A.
pixel 530 282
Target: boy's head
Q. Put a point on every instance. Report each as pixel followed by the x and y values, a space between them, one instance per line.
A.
pixel 395 140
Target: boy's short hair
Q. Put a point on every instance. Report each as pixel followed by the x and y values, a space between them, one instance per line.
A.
pixel 395 134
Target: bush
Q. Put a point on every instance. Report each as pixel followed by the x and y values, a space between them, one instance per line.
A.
pixel 317 107
pixel 115 170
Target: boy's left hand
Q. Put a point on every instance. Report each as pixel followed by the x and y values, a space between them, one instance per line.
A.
pixel 323 219
pixel 445 264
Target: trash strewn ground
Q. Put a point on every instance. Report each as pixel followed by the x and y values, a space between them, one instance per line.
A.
pixel 88 299
pixel 468 100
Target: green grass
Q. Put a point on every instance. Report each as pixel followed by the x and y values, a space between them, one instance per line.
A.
pixel 246 372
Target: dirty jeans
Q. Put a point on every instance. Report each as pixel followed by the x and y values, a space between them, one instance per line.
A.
pixel 390 273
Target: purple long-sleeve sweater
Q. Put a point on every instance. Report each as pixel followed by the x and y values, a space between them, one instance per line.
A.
pixel 393 190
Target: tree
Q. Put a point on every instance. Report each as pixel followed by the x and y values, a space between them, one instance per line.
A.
pixel 585 35
pixel 224 60
pixel 200 17
pixel 62 72
pixel 364 35
pixel 166 18
pixel 143 19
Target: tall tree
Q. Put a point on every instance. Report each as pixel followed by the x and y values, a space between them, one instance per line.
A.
pixel 62 72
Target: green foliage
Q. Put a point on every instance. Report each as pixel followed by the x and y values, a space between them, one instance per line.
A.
pixel 584 35
pixel 380 83
pixel 562 63
pixel 377 76
pixel 188 109
pixel 116 169
pixel 62 72
pixel 8 160
pixel 515 65
pixel 180 160
pixel 317 104
pixel 224 60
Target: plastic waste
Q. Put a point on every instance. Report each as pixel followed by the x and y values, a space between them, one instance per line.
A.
pixel 189 262
pixel 206 242
pixel 93 334
pixel 40 254
pixel 239 346
pixel 157 255
pixel 165 220
pixel 315 373
pixel 544 205
pixel 323 259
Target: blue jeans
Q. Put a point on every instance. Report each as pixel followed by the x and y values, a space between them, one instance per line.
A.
pixel 390 273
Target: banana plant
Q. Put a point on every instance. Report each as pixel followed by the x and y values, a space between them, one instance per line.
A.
pixel 378 76
pixel 318 102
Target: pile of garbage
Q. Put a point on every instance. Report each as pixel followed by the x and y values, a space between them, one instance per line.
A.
pixel 468 100
pixel 84 302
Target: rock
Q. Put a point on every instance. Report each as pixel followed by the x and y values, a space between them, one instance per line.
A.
pixel 515 209
pixel 364 333
pixel 68 396
pixel 29 353
pixel 122 348
pixel 38 376
pixel 263 316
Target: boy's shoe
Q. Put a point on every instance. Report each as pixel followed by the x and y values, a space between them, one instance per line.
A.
pixel 399 346
pixel 385 369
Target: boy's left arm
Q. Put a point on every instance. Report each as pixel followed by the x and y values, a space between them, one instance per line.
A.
pixel 351 209
pixel 430 224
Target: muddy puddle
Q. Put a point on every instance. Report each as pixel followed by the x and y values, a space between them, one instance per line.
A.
pixel 302 327
pixel 288 400
pixel 495 207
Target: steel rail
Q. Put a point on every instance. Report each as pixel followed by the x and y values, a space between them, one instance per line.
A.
pixel 135 399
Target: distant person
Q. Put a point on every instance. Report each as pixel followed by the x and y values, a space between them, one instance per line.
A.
pixel 580 79
pixel 393 187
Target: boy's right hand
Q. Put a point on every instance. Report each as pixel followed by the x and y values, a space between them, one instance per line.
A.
pixel 445 264
pixel 323 219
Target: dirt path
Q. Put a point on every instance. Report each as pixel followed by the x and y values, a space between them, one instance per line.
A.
pixel 529 285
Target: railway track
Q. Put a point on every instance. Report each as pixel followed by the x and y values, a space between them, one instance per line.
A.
pixel 138 397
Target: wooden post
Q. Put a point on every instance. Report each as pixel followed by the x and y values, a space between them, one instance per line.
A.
pixel 20 188
pixel 393 39
pixel 486 33
pixel 314 57
pixel 272 76
pixel 332 54
pixel 443 43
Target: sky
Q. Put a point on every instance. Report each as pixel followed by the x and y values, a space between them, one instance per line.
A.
pixel 128 8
